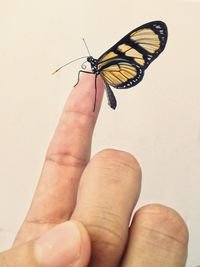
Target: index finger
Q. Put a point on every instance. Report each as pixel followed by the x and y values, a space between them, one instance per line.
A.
pixel 67 156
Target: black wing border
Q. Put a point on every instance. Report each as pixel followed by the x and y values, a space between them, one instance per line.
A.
pixel 159 27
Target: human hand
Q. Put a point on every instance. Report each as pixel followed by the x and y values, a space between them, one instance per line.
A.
pixel 81 210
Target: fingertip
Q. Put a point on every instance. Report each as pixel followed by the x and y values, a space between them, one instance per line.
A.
pixel 89 79
pixel 121 158
pixel 168 221
pixel 66 244
pixel 85 248
pixel 157 231
pixel 82 97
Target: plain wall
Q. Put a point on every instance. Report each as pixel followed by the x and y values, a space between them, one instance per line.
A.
pixel 158 121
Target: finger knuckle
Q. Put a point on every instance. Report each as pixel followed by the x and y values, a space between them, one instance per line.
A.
pixel 106 236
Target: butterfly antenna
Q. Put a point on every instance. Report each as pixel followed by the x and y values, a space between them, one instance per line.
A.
pixel 86 47
pixel 68 64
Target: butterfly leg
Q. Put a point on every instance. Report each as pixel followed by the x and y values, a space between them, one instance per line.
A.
pixel 95 95
pixel 79 75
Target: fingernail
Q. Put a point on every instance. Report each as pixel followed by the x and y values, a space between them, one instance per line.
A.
pixel 60 246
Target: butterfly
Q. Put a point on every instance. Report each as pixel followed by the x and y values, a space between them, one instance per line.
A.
pixel 123 65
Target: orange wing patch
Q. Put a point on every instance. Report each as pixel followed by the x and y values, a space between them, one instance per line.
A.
pixel 118 74
pixel 147 39
pixel 108 56
pixel 131 52
pixel 103 60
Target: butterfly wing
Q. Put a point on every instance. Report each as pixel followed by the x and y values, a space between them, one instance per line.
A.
pixel 121 73
pixel 123 65
pixel 133 54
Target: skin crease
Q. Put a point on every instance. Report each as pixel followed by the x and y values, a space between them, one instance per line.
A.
pixel 96 196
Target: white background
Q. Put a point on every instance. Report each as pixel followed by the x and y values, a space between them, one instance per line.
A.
pixel 158 121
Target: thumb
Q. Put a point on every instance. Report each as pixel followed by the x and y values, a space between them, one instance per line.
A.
pixel 67 244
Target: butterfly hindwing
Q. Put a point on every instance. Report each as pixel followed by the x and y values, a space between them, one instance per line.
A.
pixel 122 74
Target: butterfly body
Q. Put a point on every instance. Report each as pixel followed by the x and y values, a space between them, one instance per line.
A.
pixel 94 65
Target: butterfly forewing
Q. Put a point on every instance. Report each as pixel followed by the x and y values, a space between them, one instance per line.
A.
pixel 123 65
